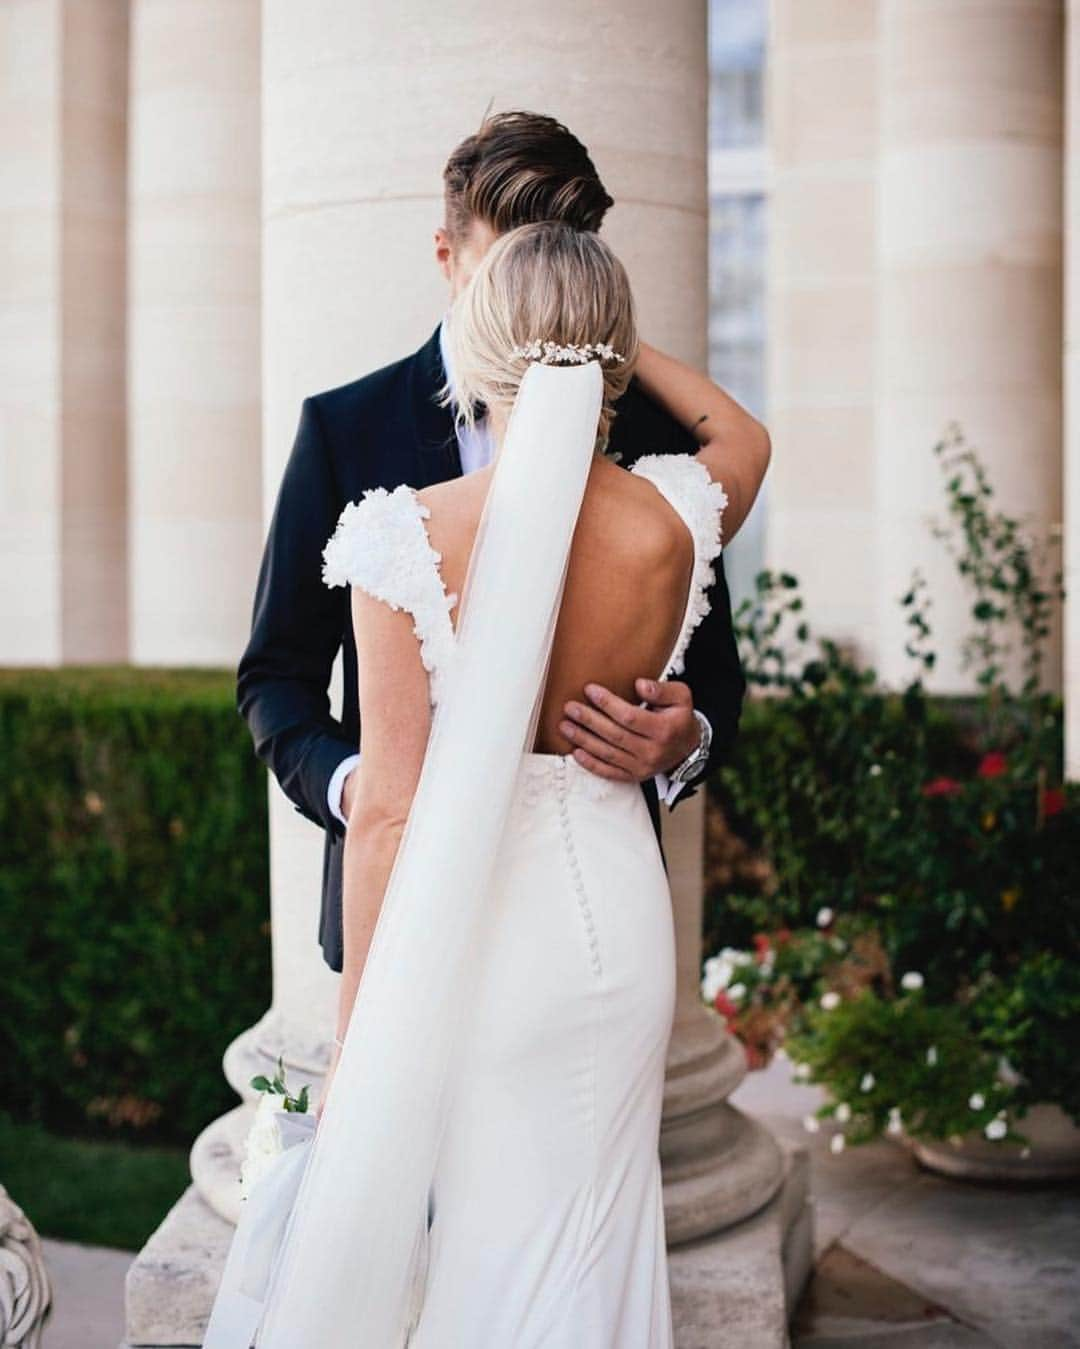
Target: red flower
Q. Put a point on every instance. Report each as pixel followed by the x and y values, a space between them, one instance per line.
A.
pixel 942 787
pixel 726 1007
pixel 992 765
pixel 1053 802
pixel 761 947
pixel 783 936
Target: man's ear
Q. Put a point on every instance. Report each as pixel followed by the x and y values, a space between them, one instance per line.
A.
pixel 443 252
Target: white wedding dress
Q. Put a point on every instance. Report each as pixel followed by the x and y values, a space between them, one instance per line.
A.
pixel 547 1209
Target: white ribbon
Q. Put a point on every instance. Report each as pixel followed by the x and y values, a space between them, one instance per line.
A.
pixel 257 1242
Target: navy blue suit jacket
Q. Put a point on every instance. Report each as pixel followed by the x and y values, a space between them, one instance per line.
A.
pixel 381 431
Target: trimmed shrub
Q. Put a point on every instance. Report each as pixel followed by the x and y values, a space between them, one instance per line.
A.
pixel 134 911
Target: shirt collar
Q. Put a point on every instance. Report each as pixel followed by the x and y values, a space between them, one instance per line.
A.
pixel 444 352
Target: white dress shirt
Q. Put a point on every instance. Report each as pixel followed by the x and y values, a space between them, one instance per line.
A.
pixel 476 449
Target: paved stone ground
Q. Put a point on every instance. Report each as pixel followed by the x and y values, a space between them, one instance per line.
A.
pixel 88 1296
pixel 903 1260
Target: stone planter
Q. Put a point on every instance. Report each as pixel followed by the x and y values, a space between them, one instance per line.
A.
pixel 1052 1152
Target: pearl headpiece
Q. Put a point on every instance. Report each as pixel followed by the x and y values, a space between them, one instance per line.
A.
pixel 551 353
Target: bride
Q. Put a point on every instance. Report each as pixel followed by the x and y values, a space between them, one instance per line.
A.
pixel 485 1170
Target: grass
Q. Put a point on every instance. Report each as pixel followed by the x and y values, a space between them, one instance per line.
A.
pixel 101 1193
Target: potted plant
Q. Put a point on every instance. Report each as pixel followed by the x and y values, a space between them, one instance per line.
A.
pixel 901 872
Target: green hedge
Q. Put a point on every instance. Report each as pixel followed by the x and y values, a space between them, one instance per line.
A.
pixel 134 911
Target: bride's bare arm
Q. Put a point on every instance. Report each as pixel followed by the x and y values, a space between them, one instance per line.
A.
pixel 396 720
pixel 735 447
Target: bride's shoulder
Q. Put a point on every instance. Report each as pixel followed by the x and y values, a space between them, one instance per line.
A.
pixel 452 511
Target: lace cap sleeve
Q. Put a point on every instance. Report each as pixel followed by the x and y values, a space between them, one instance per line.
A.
pixel 381 546
pixel 684 482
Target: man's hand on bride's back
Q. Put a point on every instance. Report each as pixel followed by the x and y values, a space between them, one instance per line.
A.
pixel 629 743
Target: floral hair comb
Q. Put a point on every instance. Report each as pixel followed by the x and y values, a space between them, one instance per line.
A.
pixel 551 353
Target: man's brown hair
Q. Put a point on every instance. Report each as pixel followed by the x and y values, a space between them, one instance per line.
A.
pixel 520 168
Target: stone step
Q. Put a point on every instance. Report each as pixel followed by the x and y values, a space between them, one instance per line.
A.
pixel 732 1291
pixel 739 1289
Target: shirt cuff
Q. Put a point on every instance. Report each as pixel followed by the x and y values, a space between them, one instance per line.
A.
pixel 669 791
pixel 336 785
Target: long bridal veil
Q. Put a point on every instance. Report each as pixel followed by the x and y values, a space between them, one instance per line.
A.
pixel 347 1272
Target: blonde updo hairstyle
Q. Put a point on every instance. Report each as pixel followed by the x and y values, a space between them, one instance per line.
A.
pixel 545 282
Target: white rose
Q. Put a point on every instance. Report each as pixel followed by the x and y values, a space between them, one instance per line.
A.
pixel 896 1123
pixel 720 969
pixel 931 1056
pixel 875 770
pixel 912 981
pixel 976 1100
pixel 830 1001
pixel 996 1129
pixel 842 1113
pixel 837 1143
pixel 262 1145
pixel 736 992
pixel 825 917
pixel 801 1072
pixel 867 1083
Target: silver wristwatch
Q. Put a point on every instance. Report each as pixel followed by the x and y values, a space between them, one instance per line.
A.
pixel 694 762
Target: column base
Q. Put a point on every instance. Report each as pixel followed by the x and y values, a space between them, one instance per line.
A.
pixel 719 1165
pixel 728 1291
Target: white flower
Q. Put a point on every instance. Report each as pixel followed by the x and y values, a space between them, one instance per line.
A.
pixel 801 1072
pixel 867 1083
pixel 842 1113
pixel 996 1129
pixel 976 1100
pixel 836 1143
pixel 262 1145
pixel 811 1124
pixel 896 1123
pixel 720 969
pixel 736 992
pixel 931 1056
pixel 830 1001
pixel 912 981
pixel 875 770
pixel 825 917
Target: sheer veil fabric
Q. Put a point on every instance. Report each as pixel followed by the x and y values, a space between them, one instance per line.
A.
pixel 347 1272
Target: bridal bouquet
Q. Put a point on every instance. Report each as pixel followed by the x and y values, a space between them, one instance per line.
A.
pixel 276 1153
pixel 266 1140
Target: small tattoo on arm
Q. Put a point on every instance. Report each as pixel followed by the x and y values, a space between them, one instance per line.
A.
pixel 703 418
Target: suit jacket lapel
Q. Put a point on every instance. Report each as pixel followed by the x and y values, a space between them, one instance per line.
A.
pixel 438 456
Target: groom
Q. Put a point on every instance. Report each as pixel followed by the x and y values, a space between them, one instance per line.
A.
pixel 386 429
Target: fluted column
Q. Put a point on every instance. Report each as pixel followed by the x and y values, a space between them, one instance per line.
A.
pixel 1072 394
pixel 63 101
pixel 821 74
pixel 969 283
pixel 195 474
pixel 353 152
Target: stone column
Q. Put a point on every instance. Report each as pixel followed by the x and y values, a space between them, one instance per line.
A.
pixel 195 476
pixel 350 283
pixel 353 147
pixel 969 283
pixel 821 77
pixel 63 100
pixel 1072 394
